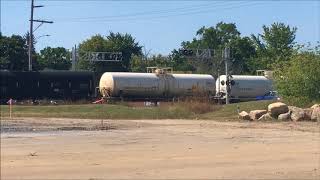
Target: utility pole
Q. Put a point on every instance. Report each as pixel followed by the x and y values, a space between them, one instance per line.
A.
pixel 30 46
pixel 74 57
pixel 226 58
pixel 30 37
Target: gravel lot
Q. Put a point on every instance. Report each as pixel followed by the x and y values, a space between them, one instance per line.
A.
pixel 56 148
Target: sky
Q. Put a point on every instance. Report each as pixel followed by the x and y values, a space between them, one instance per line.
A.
pixel 160 26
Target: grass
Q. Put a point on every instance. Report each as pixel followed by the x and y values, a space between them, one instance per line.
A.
pixel 104 111
pixel 230 111
pixel 182 110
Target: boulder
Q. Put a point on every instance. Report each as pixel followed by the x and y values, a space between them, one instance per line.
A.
pixel 277 108
pixel 315 114
pixel 265 117
pixel 256 114
pixel 244 115
pixel 315 105
pixel 284 116
pixel 297 114
pixel 307 113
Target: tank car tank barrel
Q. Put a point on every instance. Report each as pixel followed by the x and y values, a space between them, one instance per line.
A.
pixel 247 87
pixel 155 85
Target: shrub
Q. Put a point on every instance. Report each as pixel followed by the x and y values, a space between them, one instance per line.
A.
pixel 299 80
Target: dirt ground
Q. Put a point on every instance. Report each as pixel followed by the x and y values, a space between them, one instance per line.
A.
pixel 158 149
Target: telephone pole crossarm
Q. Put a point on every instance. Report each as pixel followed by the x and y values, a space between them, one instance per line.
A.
pixel 38 6
pixel 42 21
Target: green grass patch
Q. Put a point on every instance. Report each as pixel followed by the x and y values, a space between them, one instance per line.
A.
pixel 184 110
pixel 104 111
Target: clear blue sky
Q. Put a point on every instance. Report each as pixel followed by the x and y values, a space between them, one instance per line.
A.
pixel 158 25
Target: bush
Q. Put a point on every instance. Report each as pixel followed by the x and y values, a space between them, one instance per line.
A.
pixel 299 80
pixel 302 102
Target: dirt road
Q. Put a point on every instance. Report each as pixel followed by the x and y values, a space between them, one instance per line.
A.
pixel 158 149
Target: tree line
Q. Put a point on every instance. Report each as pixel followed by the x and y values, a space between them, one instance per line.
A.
pixel 296 67
pixel 274 45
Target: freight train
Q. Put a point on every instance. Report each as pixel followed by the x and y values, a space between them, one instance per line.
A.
pixel 156 85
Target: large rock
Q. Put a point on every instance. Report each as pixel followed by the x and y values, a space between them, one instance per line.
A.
pixel 297 114
pixel 256 114
pixel 265 117
pixel 307 113
pixel 315 114
pixel 315 106
pixel 244 115
pixel 277 108
pixel 284 117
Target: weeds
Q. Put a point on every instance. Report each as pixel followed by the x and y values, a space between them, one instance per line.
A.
pixel 190 108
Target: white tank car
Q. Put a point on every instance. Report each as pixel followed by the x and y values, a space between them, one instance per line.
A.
pixel 245 87
pixel 152 85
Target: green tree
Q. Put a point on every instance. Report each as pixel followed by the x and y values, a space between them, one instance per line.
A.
pixel 13 53
pixel 218 37
pixel 138 64
pixel 275 46
pixel 180 63
pixel 114 42
pixel 125 44
pixel 94 44
pixel 242 51
pixel 55 58
pixel 299 79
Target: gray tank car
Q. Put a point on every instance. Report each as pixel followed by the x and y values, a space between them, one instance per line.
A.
pixel 243 87
pixel 155 85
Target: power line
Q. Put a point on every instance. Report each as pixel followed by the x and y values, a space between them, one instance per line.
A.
pixel 146 15
pixel 143 13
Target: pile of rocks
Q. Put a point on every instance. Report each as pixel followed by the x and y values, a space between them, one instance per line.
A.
pixel 283 112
